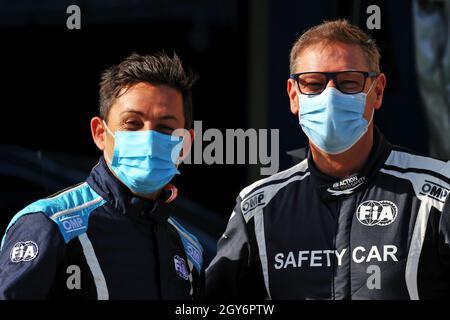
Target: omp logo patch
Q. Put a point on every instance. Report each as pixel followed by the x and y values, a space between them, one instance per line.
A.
pixel 24 251
pixel 73 223
pixel 253 202
pixel 376 213
pixel 180 267
pixel 194 253
pixel 434 191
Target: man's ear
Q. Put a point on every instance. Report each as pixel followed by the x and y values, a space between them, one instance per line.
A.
pixel 292 93
pixel 379 90
pixel 98 132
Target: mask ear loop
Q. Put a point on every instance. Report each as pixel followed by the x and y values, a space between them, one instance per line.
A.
pixel 298 100
pixel 373 109
pixel 104 123
pixel 371 86
pixel 104 153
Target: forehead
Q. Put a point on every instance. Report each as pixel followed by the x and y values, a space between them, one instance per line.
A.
pixel 331 57
pixel 149 99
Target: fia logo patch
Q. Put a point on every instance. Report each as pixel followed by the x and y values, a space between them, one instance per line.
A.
pixel 180 267
pixel 24 251
pixel 376 213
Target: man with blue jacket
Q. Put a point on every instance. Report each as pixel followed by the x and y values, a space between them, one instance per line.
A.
pixel 112 236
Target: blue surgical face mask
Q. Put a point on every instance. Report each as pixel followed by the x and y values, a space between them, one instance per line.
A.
pixel 334 121
pixel 144 160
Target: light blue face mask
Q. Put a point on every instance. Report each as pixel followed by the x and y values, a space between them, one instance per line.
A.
pixel 334 121
pixel 145 161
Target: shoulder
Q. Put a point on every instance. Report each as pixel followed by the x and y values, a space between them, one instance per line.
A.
pixel 69 209
pixel 429 177
pixel 278 180
pixel 260 193
pixel 35 231
pixel 192 246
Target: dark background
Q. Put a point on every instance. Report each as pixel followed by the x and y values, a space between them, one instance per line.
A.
pixel 49 80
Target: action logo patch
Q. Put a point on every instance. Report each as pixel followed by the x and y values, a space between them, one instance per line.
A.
pixel 346 186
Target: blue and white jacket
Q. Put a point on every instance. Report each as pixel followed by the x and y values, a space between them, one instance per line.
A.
pixel 97 240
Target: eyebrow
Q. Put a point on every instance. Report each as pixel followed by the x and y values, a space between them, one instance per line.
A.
pixel 133 111
pixel 168 117
pixel 165 117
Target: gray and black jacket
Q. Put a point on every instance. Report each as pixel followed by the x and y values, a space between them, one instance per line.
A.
pixel 383 233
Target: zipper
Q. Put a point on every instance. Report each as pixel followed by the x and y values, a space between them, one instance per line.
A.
pixel 337 213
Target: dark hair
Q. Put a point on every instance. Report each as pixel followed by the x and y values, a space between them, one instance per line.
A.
pixel 157 69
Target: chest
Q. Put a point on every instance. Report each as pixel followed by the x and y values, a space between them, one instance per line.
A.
pixel 354 247
pixel 122 260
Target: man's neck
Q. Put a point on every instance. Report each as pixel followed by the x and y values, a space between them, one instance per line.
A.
pixel 347 163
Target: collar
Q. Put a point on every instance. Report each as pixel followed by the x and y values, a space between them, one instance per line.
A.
pixel 331 188
pixel 118 196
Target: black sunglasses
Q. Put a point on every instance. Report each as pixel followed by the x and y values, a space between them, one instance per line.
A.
pixel 348 82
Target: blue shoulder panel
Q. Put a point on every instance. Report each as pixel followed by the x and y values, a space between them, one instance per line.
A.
pixel 192 247
pixel 70 210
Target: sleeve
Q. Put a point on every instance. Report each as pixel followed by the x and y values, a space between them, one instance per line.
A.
pixel 444 238
pixel 235 272
pixel 30 257
pixel 199 286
